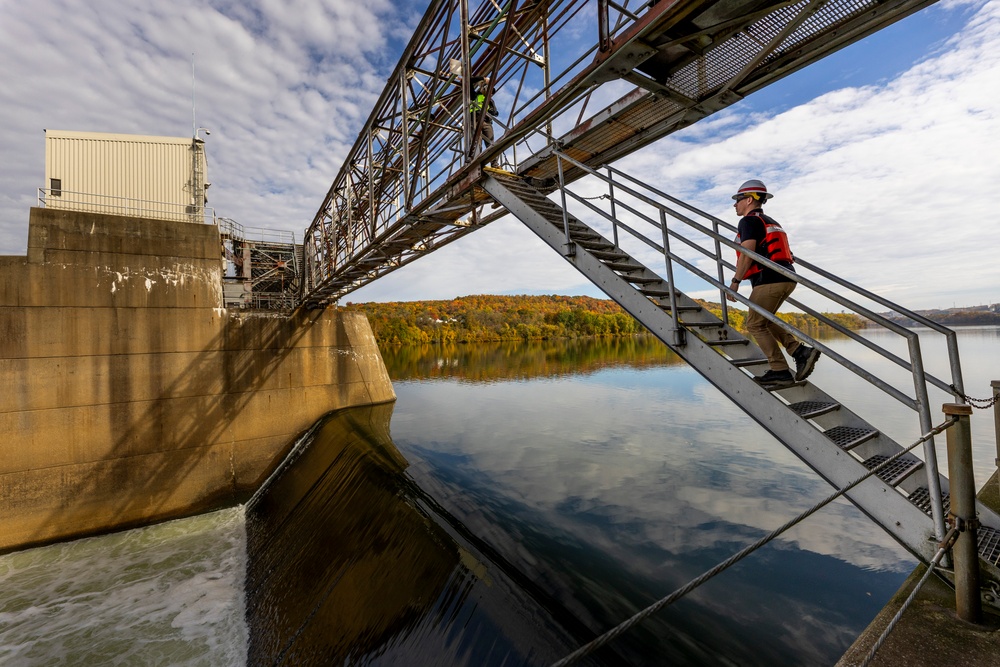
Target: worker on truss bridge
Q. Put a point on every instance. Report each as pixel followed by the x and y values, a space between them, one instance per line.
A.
pixel 762 234
pixel 483 108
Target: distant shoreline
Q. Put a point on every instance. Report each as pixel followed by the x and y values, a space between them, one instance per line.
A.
pixel 959 319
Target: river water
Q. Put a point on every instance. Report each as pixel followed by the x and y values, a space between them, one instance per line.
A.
pixel 513 503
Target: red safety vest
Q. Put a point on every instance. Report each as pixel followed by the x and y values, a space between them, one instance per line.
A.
pixel 775 245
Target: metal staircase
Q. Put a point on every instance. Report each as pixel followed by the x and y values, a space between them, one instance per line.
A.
pixel 834 441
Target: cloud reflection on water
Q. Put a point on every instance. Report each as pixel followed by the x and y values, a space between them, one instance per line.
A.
pixel 621 485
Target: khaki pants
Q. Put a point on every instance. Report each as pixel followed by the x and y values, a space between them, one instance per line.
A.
pixel 767 334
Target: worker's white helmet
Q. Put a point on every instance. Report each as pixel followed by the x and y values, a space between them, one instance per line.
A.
pixel 753 187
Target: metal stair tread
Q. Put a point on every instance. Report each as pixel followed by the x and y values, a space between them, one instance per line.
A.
pixel 653 291
pixel 680 309
pixel 608 255
pixel 645 280
pixel 702 325
pixel 896 471
pixel 728 341
pixel 590 245
pixel 921 498
pixel 740 363
pixel 849 437
pixel 989 544
pixel 624 266
pixel 811 409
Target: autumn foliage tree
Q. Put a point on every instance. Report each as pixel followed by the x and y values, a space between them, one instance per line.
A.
pixel 485 318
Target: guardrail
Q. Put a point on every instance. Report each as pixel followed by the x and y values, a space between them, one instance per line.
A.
pixel 125 206
pixel 234 229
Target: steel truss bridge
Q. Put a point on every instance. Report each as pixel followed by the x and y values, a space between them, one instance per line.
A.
pixel 581 83
pixel 595 78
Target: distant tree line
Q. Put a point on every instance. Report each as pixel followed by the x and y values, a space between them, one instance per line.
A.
pixel 950 318
pixel 486 318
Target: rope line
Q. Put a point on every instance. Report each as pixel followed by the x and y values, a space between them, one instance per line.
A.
pixel 949 541
pixel 615 632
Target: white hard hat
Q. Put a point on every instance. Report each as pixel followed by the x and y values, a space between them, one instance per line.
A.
pixel 753 187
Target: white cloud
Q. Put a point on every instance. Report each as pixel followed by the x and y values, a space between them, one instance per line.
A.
pixel 283 87
pixel 887 184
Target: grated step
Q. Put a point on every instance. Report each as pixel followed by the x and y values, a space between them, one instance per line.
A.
pixel 989 544
pixel 896 471
pixel 643 280
pixel 921 498
pixel 624 266
pixel 604 254
pixel 657 292
pixel 811 409
pixel 849 437
pixel 737 341
pixel 701 325
pixel 665 307
pixel 590 246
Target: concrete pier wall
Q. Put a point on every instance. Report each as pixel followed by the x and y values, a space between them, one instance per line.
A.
pixel 129 396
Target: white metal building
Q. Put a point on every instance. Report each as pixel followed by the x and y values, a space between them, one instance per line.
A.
pixel 126 174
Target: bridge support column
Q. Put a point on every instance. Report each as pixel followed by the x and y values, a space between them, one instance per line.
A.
pixel 965 554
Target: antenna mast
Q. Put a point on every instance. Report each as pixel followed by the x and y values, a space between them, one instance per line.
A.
pixel 194 122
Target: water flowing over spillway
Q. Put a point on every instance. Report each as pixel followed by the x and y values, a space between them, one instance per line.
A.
pixel 170 594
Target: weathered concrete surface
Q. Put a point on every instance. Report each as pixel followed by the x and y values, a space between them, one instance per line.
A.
pixel 130 396
pixel 929 632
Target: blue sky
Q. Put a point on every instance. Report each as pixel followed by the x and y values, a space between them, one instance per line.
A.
pixel 882 156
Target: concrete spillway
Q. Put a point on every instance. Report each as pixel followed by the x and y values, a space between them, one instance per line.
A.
pixel 131 396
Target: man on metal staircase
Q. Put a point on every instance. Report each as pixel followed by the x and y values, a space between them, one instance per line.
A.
pixel 483 107
pixel 762 234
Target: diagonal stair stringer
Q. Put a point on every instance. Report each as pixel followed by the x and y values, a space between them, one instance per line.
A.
pixel 836 443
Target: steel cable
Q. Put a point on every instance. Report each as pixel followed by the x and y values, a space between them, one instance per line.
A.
pixel 948 542
pixel 612 634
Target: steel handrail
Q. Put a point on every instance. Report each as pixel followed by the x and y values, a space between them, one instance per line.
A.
pixel 847 363
pixel 874 317
pixel 181 212
pixel 956 387
pixel 916 317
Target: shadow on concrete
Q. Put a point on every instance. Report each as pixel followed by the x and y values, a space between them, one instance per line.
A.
pixel 145 482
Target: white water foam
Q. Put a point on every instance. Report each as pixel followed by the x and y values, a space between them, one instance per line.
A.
pixel 169 594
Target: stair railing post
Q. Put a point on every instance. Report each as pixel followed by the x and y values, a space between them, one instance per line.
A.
pixel 614 216
pixel 930 452
pixel 968 604
pixel 721 276
pixel 570 249
pixel 677 333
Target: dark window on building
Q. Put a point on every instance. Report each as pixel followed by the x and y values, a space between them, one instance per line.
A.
pixel 55 187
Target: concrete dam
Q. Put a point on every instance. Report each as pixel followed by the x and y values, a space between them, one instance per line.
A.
pixel 133 396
